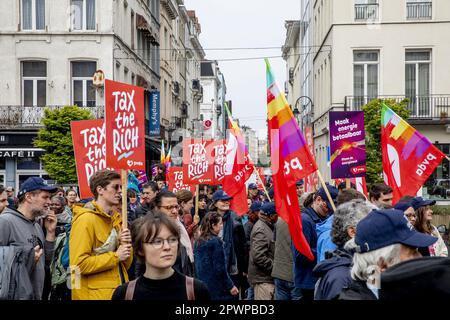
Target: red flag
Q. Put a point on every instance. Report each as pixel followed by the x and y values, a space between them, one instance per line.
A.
pixel 409 158
pixel 238 169
pixel 291 161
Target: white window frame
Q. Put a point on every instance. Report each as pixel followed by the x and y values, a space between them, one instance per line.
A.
pixel 35 80
pixel 416 63
pixel 366 63
pixel 84 81
pixel 83 18
pixel 33 17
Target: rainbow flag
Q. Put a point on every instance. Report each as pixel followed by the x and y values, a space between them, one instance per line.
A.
pixel 163 152
pixel 409 158
pixel 238 168
pixel 168 159
pixel 291 161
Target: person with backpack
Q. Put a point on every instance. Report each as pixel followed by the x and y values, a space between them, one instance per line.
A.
pixel 59 267
pixel 21 233
pixel 156 239
pixel 99 248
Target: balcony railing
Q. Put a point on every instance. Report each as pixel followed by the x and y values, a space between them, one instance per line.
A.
pixel 429 107
pixel 418 10
pixel 31 116
pixel 366 11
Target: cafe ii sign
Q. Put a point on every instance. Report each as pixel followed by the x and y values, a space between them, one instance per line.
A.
pixel 20 153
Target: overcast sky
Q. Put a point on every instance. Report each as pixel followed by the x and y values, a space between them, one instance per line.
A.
pixel 246 24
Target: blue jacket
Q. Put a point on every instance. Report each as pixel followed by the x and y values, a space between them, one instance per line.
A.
pixel 210 268
pixel 324 242
pixel 303 277
pixel 334 274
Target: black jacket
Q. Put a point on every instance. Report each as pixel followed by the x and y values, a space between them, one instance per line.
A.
pixel 142 209
pixel 334 274
pixel 423 278
pixel 357 291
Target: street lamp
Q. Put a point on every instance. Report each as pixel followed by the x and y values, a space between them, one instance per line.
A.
pixel 296 110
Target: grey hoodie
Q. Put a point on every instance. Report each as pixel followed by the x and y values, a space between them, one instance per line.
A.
pixel 16 229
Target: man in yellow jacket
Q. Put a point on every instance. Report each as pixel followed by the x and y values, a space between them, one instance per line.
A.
pixel 100 252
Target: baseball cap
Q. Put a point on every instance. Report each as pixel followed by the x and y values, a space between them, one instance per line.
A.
pixel 252 186
pixel 418 202
pixel 220 195
pixel 256 206
pixel 333 193
pixel 382 228
pixel 403 205
pixel 35 183
pixel 268 208
pixel 299 182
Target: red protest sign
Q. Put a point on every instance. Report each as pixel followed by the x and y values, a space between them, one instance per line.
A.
pixel 124 119
pixel 261 184
pixel 197 161
pixel 219 154
pixel 176 182
pixel 88 137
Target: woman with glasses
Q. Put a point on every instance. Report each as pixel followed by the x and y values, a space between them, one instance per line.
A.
pixel 155 242
pixel 167 203
pixel 210 264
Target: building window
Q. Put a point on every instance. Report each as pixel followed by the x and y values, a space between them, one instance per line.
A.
pixel 418 9
pixel 366 9
pixel 125 74
pixel 438 184
pixel 365 76
pixel 133 26
pixel 34 83
pixel 83 14
pixel 33 14
pixel 417 81
pixel 83 91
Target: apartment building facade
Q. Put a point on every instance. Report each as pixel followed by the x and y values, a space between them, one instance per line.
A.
pixel 365 49
pixel 214 95
pixel 49 52
pixel 181 54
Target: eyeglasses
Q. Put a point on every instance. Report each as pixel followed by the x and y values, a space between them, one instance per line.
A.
pixel 410 215
pixel 176 207
pixel 158 243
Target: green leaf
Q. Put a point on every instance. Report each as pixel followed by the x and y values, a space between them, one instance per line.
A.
pixel 55 137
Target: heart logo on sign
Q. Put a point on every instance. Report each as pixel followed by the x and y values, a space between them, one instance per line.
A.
pixel 130 163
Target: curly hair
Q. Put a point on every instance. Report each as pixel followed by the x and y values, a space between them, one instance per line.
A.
pixel 348 215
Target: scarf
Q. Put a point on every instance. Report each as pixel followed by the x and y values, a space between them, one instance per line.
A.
pixel 228 243
pixel 185 240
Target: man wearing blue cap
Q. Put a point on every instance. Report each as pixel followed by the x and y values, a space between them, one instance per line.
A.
pixel 383 238
pixel 253 192
pixel 262 253
pixel 300 188
pixel 311 216
pixel 233 237
pixel 19 229
pixel 253 216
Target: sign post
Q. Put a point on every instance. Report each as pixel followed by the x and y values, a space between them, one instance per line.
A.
pixel 125 137
pixel 347 144
pixel 89 138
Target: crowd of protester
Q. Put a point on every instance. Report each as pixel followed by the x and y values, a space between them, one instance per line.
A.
pixel 78 249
